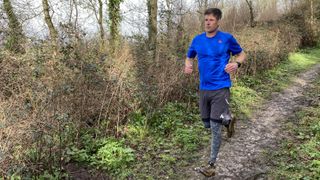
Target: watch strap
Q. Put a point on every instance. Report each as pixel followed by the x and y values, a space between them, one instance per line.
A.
pixel 239 64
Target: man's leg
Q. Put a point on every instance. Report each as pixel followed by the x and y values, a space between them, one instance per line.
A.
pixel 209 169
pixel 216 140
pixel 219 105
pixel 205 108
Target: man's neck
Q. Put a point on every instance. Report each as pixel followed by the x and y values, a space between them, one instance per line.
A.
pixel 212 34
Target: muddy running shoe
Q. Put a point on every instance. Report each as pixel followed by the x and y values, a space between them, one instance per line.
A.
pixel 230 127
pixel 209 170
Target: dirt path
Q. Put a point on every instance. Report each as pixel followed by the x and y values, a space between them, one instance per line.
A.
pixel 243 156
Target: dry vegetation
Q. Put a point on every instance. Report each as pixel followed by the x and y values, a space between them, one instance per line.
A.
pixel 47 99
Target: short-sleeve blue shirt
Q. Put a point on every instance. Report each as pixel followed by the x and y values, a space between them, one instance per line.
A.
pixel 213 56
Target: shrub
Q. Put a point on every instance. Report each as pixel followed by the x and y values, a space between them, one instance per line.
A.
pixel 107 154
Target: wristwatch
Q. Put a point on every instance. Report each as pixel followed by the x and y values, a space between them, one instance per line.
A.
pixel 239 63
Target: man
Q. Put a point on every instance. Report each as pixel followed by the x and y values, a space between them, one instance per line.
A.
pixel 213 49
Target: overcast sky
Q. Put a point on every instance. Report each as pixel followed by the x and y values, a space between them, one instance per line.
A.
pixel 134 13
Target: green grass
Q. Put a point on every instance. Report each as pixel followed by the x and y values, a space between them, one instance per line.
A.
pixel 243 99
pixel 158 145
pixel 107 154
pixel 299 157
pixel 173 135
pixel 251 91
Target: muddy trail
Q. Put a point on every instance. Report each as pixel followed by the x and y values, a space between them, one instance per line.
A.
pixel 244 156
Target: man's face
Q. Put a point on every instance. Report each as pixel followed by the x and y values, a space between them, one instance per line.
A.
pixel 211 23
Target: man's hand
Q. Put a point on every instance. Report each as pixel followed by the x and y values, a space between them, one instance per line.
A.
pixel 231 67
pixel 188 69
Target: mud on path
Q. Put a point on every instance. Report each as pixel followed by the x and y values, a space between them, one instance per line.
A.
pixel 244 155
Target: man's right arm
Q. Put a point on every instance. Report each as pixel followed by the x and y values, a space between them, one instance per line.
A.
pixel 188 67
pixel 192 53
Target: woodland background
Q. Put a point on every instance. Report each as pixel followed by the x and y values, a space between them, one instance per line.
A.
pixel 62 84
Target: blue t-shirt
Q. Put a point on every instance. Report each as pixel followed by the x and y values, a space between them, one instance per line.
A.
pixel 213 56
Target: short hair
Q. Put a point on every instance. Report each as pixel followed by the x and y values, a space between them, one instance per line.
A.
pixel 215 12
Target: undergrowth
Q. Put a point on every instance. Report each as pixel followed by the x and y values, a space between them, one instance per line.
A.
pixel 251 91
pixel 299 156
pixel 159 144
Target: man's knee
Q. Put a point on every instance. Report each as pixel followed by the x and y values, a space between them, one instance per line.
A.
pixel 219 121
pixel 206 122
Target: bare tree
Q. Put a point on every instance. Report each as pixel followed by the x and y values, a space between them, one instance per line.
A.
pixel 171 25
pixel 312 14
pixel 169 14
pixel 16 36
pixel 182 40
pixel 74 5
pixel 52 30
pixel 96 6
pixel 250 6
pixel 73 27
pixel 152 25
pixel 115 19
pixel 100 22
pixel 202 6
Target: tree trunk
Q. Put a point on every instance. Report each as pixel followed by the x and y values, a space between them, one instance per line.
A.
pixel 312 22
pixel 97 7
pixel 100 22
pixel 73 20
pixel 115 19
pixel 77 14
pixel 181 40
pixel 152 26
pixel 169 17
pixel 16 36
pixel 250 5
pixel 53 32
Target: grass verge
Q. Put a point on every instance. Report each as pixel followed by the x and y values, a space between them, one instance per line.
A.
pixel 251 91
pixel 299 156
pixel 159 145
pixel 169 140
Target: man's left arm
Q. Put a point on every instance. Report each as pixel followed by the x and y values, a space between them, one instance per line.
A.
pixel 233 66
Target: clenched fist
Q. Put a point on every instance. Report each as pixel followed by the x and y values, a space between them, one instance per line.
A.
pixel 188 69
pixel 231 67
